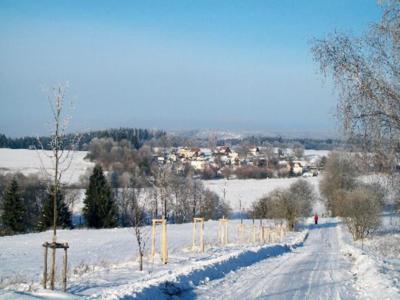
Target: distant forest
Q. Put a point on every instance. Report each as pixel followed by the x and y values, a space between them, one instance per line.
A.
pixel 281 142
pixel 136 136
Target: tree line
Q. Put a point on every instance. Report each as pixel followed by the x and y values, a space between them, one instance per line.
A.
pixel 112 198
pixel 26 205
pixel 169 191
pixel 136 136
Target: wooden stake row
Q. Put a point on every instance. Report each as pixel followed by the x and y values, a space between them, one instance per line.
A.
pixel 265 234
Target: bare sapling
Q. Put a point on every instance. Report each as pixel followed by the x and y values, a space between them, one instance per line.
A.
pixel 61 158
pixel 138 220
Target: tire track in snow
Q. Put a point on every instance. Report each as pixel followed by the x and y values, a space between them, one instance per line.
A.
pixel 316 271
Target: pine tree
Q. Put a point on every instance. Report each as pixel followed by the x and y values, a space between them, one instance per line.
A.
pixel 13 217
pixel 64 217
pixel 100 210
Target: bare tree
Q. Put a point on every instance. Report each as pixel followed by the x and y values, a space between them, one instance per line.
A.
pixel 339 176
pixel 212 141
pixel 298 150
pixel 303 193
pixel 361 211
pixel 61 157
pixel 289 204
pixel 269 153
pixel 161 185
pixel 137 213
pixel 366 71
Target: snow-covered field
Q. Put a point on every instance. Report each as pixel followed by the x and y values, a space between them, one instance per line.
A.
pixel 103 263
pixel 40 162
pixel 250 190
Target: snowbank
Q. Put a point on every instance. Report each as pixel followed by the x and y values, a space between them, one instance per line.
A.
pixel 185 278
pixel 371 278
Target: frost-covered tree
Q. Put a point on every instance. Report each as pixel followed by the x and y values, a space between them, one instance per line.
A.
pixel 366 72
pixel 303 194
pixel 13 210
pixel 362 207
pixel 298 150
pixel 290 204
pixel 339 176
pixel 100 210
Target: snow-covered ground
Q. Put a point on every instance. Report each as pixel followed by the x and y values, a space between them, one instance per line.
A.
pixel 103 263
pixel 250 190
pixel 376 263
pixel 317 270
pixel 40 162
pixel 319 262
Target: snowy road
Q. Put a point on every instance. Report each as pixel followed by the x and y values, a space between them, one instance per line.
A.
pixel 316 271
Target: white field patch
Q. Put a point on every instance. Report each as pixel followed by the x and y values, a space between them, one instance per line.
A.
pixel 248 191
pixel 41 162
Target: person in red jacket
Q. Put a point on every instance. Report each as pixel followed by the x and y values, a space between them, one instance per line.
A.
pixel 316 219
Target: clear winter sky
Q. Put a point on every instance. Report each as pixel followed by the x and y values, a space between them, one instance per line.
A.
pixel 241 65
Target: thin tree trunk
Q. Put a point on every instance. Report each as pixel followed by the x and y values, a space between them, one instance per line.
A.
pixel 56 137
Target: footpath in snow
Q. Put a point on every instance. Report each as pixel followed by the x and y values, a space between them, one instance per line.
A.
pixel 318 270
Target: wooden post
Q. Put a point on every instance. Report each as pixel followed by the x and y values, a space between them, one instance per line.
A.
pixel 164 243
pixel 53 268
pixel 201 244
pixel 202 237
pixel 262 234
pixel 194 235
pixel 254 234
pixel 153 240
pixel 45 246
pixel 241 229
pixel 226 232
pixel 223 231
pixel 65 266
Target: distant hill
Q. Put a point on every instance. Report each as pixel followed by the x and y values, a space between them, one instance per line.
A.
pixel 310 140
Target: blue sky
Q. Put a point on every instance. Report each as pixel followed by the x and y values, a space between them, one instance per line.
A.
pixel 240 65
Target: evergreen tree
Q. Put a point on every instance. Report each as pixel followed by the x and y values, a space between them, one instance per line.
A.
pixel 13 217
pixel 64 216
pixel 100 210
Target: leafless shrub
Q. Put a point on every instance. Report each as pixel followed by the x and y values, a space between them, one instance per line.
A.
pixel 361 210
pixel 289 204
pixel 339 176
